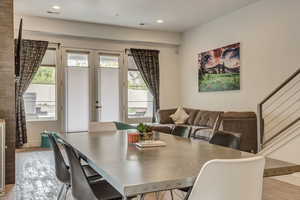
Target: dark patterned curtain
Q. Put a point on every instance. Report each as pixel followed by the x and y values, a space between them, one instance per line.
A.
pixel 31 55
pixel 147 62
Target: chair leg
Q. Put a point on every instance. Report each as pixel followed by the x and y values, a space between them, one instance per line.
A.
pixel 60 191
pixel 67 189
pixel 172 196
pixel 157 195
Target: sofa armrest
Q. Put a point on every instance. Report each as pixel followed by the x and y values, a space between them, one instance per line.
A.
pixel 244 123
pixel 163 116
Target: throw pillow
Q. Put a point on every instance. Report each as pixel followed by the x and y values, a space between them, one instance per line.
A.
pixel 180 116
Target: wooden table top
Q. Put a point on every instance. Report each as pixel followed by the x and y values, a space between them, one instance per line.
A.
pixel 134 171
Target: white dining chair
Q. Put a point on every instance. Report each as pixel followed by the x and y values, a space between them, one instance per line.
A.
pixel 236 179
pixel 102 126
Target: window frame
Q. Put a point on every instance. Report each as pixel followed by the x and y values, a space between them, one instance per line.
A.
pixel 56 66
pixel 127 118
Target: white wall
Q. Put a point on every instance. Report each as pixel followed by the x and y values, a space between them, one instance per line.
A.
pixel 269 33
pixel 169 60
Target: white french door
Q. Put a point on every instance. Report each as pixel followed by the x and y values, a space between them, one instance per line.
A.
pixel 77 95
pixel 93 89
pixel 108 88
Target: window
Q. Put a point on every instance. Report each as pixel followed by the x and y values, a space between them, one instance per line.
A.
pixel 140 100
pixel 78 60
pixel 40 97
pixel 110 61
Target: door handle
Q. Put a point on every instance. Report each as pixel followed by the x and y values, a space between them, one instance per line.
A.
pixel 98 107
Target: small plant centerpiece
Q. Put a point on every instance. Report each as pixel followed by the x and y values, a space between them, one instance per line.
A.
pixel 145 131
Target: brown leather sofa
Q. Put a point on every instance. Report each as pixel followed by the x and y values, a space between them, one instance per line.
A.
pixel 203 124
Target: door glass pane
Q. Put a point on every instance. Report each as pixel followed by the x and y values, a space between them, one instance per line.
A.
pixel 78 60
pixel 77 99
pixel 108 89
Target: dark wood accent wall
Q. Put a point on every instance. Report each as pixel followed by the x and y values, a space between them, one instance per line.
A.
pixel 7 84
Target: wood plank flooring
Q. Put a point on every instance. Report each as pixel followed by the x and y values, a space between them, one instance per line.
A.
pixel 272 189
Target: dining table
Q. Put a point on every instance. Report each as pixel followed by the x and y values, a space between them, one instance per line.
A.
pixel 134 171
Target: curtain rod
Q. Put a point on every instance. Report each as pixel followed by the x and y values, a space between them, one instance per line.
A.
pixel 42 40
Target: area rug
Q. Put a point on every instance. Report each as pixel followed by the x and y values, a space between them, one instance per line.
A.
pixel 35 176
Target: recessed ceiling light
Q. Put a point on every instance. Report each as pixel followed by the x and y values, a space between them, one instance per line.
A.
pixel 160 21
pixel 56 7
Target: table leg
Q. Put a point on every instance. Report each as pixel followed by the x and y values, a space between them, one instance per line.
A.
pixel 142 196
pixel 188 193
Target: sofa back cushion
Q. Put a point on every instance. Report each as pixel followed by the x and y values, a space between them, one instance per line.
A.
pixel 196 117
pixel 164 116
pixel 192 115
pixel 206 118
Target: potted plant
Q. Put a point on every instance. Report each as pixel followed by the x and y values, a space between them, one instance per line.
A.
pixel 145 131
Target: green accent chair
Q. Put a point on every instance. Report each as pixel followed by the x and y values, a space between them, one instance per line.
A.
pixel 45 143
pixel 123 126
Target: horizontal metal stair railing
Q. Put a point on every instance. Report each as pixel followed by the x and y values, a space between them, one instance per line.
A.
pixel 279 111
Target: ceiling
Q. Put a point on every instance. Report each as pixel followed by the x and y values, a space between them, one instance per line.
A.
pixel 178 15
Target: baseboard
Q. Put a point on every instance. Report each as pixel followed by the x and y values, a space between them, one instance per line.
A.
pixel 35 143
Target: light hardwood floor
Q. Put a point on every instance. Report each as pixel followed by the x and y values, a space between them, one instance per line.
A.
pixel 272 190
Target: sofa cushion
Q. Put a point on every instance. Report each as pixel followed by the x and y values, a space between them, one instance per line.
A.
pixel 200 119
pixel 206 118
pixel 192 115
pixel 164 116
pixel 165 128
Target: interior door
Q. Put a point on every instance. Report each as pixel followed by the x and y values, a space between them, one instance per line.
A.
pixel 108 90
